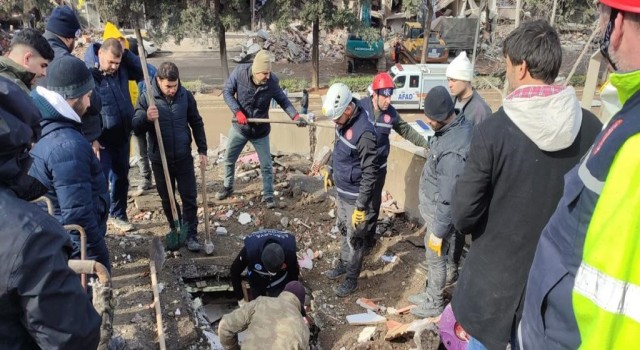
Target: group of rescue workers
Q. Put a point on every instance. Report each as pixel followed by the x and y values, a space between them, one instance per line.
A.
pixel 548 195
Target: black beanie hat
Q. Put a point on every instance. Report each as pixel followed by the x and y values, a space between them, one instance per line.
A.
pixel 69 77
pixel 438 104
pixel 273 257
pixel 63 21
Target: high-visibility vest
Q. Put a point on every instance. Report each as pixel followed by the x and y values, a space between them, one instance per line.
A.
pixel 606 293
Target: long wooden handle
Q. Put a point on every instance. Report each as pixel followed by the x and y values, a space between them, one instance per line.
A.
pixel 156 124
pixel 205 203
pixel 156 302
pixel 270 121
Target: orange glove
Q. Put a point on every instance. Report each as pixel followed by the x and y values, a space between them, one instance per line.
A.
pixel 241 118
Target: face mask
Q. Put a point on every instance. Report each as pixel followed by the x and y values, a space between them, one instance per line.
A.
pixel 606 39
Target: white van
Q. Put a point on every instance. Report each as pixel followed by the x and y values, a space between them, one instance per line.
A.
pixel 413 82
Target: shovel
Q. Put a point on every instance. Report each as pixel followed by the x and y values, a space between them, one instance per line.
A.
pixel 208 246
pixel 174 239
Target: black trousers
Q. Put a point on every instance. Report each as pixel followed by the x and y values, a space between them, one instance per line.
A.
pixel 184 174
pixel 374 209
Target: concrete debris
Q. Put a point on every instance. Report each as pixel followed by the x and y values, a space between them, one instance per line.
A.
pixel 365 319
pixel 389 258
pixel 229 213
pixel 369 304
pixel 244 218
pixel 221 231
pixel 137 319
pixel 332 213
pixel 396 330
pixel 177 313
pixel 366 334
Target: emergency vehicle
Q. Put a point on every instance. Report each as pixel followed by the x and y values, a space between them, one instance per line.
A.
pixel 413 82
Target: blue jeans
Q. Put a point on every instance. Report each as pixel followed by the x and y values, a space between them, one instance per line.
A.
pixel 115 165
pixel 234 147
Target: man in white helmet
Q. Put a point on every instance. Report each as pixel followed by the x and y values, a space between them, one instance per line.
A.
pixel 354 167
pixel 468 101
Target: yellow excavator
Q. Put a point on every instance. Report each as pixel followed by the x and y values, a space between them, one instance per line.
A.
pixel 410 47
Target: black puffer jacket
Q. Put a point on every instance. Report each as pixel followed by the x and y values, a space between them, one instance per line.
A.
pixel 178 119
pixel 42 304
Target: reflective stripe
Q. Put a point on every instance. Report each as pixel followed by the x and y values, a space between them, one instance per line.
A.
pixel 608 293
pixel 345 141
pixel 383 166
pixel 384 125
pixel 347 193
pixel 589 180
pixel 278 281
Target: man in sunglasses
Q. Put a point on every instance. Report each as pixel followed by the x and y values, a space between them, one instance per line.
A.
pixel 584 284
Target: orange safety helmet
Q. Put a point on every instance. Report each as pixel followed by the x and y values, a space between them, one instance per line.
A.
pixel 623 5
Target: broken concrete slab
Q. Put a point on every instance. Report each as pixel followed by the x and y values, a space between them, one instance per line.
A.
pixel 244 218
pixel 365 319
pixel 221 231
pixel 366 334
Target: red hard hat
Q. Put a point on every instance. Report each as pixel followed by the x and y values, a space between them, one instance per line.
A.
pixel 623 5
pixel 382 81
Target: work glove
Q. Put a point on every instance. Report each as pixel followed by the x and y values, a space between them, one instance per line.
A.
pixel 241 118
pixel 327 177
pixel 358 217
pixel 301 121
pixel 435 244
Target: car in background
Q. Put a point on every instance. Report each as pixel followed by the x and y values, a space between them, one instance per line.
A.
pixel 149 47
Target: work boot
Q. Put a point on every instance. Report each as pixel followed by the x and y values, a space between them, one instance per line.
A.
pixel 418 299
pixel 121 225
pixel 224 193
pixel 193 245
pixel 271 203
pixel 347 287
pixel 336 272
pixel 452 274
pixel 428 309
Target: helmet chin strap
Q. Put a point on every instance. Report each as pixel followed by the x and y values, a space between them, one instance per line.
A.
pixel 606 40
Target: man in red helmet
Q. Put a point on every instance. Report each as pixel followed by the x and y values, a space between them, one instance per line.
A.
pixel 583 289
pixel 385 118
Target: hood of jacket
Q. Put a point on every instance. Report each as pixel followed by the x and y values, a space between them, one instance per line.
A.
pixel 91 56
pixel 59 47
pixel 54 108
pixel 16 72
pixel 552 122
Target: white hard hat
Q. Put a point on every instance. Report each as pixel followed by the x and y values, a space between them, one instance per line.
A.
pixel 336 101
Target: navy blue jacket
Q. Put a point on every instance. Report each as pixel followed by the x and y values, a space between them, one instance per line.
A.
pixel 65 163
pixel 241 94
pixel 548 320
pixel 250 257
pixel 354 163
pixel 178 119
pixel 117 110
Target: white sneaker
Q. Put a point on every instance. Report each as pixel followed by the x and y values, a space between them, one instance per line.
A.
pixel 121 225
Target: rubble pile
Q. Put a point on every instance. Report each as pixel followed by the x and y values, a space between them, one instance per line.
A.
pixel 293 44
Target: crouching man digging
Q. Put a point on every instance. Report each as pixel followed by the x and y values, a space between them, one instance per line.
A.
pixel 177 112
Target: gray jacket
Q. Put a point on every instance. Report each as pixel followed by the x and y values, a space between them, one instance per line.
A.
pixel 476 109
pixel 448 150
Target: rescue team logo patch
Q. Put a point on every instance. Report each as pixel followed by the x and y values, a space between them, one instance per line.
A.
pixel 349 134
pixel 258 266
pixel 387 118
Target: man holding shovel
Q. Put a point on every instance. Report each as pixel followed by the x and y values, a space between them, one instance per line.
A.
pixel 177 113
pixel 248 92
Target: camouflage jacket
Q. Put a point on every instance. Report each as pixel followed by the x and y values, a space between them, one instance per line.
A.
pixel 271 323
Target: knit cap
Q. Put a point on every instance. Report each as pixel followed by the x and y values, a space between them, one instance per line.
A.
pixel 297 289
pixel 261 63
pixel 69 77
pixel 438 104
pixel 272 257
pixel 460 68
pixel 63 21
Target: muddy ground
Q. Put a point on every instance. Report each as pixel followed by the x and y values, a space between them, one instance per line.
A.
pixel 307 208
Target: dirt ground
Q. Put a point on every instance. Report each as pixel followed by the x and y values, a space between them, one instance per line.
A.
pixel 307 208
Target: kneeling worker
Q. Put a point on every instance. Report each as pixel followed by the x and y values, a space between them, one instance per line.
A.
pixel 270 258
pixel 271 323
